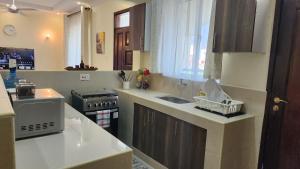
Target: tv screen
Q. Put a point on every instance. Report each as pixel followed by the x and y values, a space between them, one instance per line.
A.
pixel 24 57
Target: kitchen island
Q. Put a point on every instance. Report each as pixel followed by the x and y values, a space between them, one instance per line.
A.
pixel 82 145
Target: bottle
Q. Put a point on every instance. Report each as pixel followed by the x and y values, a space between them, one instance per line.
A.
pixel 81 65
pixel 11 79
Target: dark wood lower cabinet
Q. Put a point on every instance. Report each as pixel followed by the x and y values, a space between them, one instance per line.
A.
pixel 170 141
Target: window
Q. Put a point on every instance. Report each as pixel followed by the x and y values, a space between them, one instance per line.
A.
pixel 122 20
pixel 73 39
pixel 181 29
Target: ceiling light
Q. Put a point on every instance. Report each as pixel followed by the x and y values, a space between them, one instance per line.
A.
pixel 83 4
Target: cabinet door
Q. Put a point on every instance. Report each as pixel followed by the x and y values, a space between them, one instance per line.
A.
pixel 137 26
pixel 191 146
pixel 160 135
pixel 144 129
pixel 149 131
pixel 234 25
pixel 172 141
pixel 139 127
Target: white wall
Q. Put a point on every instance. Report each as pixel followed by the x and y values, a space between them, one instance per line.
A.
pixel 103 21
pixel 31 30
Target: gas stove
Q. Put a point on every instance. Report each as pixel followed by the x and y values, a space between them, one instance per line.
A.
pixel 97 100
pixel 102 107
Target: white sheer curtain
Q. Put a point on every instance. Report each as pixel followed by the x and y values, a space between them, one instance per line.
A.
pixel 180 35
pixel 73 39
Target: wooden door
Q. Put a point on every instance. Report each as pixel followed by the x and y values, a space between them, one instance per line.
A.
pixel 234 25
pixel 280 145
pixel 123 55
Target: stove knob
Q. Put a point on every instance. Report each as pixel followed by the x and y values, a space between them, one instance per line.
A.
pixel 89 105
pixel 96 105
pixel 109 103
pixel 115 103
pixel 100 104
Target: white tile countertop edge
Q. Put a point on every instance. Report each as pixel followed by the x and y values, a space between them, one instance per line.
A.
pixel 188 108
pixel 82 142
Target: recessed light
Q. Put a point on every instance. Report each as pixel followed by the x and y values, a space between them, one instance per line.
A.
pixel 79 3
pixel 7 5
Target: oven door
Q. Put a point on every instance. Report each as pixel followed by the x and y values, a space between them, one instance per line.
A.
pixel 107 119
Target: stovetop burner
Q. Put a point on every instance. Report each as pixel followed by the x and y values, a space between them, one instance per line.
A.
pixel 98 93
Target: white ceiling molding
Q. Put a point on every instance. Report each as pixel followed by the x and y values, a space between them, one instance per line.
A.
pixel 64 6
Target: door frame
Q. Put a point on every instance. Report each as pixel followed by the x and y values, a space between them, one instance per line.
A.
pixel 115 56
pixel 281 53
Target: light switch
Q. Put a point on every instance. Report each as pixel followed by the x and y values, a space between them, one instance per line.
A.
pixel 85 77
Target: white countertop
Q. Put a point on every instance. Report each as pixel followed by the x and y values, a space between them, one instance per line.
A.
pixel 5 106
pixel 188 108
pixel 81 142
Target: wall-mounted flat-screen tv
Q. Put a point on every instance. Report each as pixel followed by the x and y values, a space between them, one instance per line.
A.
pixel 24 57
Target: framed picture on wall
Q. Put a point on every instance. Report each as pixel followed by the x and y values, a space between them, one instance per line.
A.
pixel 24 57
pixel 100 42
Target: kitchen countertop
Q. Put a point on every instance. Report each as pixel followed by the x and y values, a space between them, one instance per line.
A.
pixel 82 142
pixel 188 108
pixel 5 106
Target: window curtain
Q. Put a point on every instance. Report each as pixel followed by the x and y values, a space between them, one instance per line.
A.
pixel 73 39
pixel 213 61
pixel 86 29
pixel 180 32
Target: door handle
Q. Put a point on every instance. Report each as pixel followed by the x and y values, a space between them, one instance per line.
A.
pixel 277 100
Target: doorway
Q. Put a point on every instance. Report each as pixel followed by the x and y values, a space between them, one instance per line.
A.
pixel 123 55
pixel 280 143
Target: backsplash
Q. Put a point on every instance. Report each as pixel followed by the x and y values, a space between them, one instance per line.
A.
pixel 65 81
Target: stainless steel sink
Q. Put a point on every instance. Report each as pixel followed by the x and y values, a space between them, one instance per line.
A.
pixel 174 99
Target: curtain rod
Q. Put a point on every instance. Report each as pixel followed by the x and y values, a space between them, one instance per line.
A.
pixel 74 13
pixel 77 12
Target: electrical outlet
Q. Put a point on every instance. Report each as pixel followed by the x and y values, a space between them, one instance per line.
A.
pixel 85 77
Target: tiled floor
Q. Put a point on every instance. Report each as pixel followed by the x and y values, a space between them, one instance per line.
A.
pixel 137 163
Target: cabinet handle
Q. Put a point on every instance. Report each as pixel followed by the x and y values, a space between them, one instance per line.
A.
pixel 214 41
pixel 153 117
pixel 141 43
pixel 145 121
pixel 175 132
pixel 148 117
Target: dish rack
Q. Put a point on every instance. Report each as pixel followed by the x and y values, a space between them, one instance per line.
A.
pixel 232 107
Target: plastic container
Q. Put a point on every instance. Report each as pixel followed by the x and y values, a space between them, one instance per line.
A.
pixel 225 109
pixel 126 85
pixel 11 79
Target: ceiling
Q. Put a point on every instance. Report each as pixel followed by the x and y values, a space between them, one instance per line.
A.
pixel 66 6
pixel 63 6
